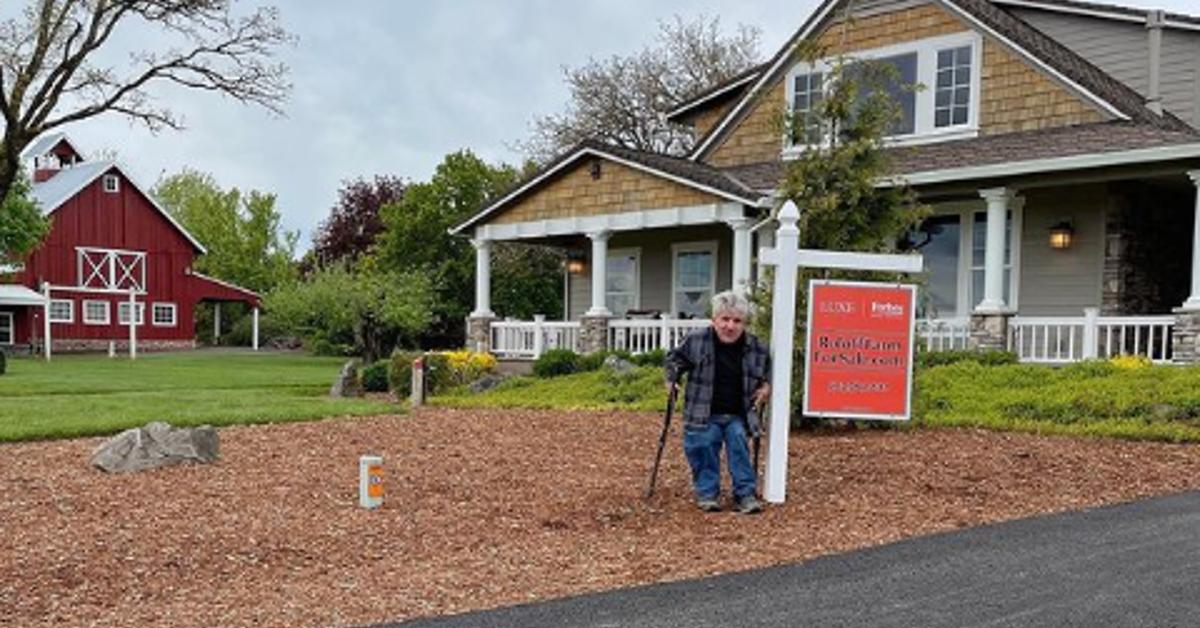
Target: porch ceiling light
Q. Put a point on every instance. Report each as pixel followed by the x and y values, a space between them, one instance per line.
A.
pixel 1061 235
pixel 575 263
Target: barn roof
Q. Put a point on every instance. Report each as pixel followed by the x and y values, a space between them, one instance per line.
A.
pixel 53 192
pixel 12 294
pixel 43 144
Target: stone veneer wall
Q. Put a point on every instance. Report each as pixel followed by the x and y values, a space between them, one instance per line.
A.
pixel 69 345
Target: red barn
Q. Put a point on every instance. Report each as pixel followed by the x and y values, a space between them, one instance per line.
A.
pixel 109 241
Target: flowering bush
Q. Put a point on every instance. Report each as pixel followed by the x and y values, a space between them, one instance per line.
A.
pixel 1130 362
pixel 468 366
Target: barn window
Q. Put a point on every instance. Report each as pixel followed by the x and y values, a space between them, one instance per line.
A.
pixel 6 328
pixel 111 183
pixel 123 313
pixel 164 314
pixel 96 313
pixel 62 311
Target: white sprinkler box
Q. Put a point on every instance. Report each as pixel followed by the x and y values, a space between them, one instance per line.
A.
pixel 370 481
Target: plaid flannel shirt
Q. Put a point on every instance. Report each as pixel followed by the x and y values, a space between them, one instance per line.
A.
pixel 696 357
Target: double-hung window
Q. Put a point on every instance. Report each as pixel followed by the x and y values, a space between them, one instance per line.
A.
pixel 621 280
pixel 96 313
pixel 693 278
pixel 6 328
pixel 123 313
pixel 954 247
pixel 62 311
pixel 934 83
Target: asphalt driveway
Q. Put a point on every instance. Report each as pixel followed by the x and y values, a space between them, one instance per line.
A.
pixel 1130 565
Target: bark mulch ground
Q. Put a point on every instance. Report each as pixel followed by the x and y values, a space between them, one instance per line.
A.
pixel 488 508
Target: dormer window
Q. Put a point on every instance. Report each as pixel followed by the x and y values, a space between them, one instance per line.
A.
pixel 111 183
pixel 935 85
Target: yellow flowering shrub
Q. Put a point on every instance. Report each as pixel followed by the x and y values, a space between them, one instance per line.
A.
pixel 1130 362
pixel 468 366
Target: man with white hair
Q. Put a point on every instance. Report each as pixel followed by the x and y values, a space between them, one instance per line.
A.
pixel 728 370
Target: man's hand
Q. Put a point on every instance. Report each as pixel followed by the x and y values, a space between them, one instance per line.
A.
pixel 670 387
pixel 762 395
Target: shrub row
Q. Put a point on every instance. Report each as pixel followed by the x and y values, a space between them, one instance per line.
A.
pixel 558 362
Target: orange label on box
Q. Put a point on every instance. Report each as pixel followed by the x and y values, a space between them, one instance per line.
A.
pixel 375 481
pixel 858 362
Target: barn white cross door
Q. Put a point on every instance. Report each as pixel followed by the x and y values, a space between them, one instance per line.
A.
pixel 111 269
pixel 788 257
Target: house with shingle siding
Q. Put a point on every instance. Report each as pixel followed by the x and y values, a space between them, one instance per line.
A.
pixel 1056 140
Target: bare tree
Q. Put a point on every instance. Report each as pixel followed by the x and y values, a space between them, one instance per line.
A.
pixel 623 100
pixel 51 74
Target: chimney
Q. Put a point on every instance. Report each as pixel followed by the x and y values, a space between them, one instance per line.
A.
pixel 1154 26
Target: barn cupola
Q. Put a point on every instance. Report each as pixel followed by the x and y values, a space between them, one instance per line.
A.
pixel 50 154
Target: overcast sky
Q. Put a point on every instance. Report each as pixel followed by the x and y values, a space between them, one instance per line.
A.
pixel 392 86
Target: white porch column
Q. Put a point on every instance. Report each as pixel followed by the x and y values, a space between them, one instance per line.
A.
pixel 216 322
pixel 483 278
pixel 254 336
pixel 46 340
pixel 1193 300
pixel 993 257
pixel 599 273
pixel 741 253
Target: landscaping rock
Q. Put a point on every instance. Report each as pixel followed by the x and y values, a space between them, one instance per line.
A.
pixel 156 445
pixel 487 382
pixel 619 365
pixel 346 384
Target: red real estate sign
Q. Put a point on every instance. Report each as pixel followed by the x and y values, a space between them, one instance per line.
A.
pixel 859 350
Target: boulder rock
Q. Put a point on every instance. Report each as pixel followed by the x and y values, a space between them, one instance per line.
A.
pixel 487 382
pixel 346 384
pixel 156 445
pixel 619 365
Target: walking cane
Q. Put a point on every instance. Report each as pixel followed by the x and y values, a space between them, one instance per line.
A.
pixel 662 439
pixel 762 425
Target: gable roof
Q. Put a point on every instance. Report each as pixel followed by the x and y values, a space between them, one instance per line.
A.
pixel 44 143
pixel 1095 85
pixel 62 187
pixel 1105 11
pixel 726 88
pixel 688 173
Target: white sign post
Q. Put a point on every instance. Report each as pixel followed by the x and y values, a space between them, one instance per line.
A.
pixel 787 257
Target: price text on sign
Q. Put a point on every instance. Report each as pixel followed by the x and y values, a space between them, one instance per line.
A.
pixel 859 350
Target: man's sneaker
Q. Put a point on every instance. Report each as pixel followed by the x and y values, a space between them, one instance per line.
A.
pixel 708 504
pixel 748 505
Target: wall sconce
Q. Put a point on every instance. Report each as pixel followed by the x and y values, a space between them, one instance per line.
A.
pixel 575 263
pixel 1061 235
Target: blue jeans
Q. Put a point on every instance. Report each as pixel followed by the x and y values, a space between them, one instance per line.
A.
pixel 702 446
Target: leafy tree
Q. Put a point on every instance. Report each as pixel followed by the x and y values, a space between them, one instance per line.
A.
pixel 623 100
pixel 54 67
pixel 526 279
pixel 355 223
pixel 835 182
pixel 368 311
pixel 243 233
pixel 22 225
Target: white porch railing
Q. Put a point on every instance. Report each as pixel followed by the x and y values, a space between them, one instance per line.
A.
pixel 645 335
pixel 944 334
pixel 529 339
pixel 1060 340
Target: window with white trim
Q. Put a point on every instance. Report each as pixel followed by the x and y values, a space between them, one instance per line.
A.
pixel 693 278
pixel 62 311
pixel 6 328
pixel 112 184
pixel 808 90
pixel 96 313
pixel 936 87
pixel 123 313
pixel 621 279
pixel 954 251
pixel 163 314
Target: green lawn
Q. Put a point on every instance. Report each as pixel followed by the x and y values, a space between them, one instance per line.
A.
pixel 95 395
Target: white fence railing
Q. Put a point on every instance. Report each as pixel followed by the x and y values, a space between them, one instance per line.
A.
pixel 944 334
pixel 529 339
pixel 1059 340
pixel 645 335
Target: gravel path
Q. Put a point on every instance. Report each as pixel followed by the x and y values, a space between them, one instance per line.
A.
pixel 488 508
